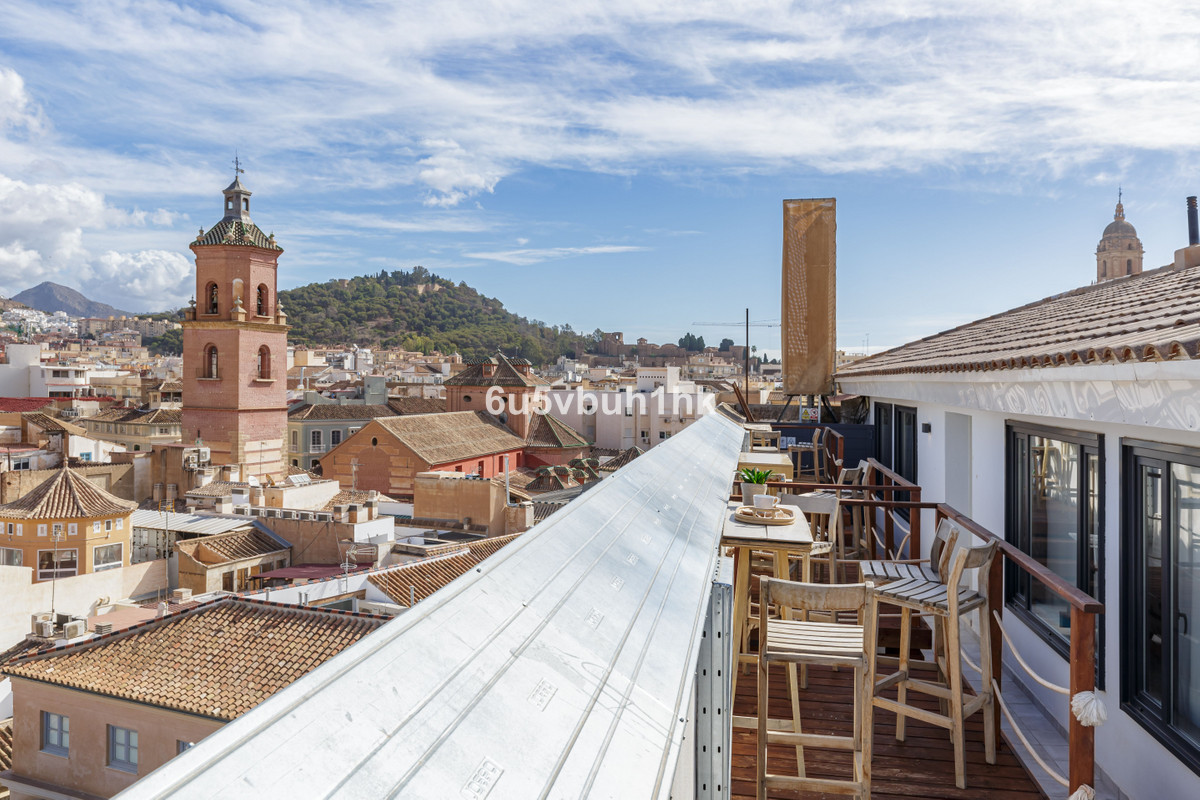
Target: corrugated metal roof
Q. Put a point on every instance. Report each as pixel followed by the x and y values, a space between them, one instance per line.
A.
pixel 203 524
pixel 560 667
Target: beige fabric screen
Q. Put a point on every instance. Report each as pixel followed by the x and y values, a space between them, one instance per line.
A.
pixel 809 295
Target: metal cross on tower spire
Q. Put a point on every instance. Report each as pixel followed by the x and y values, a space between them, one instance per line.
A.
pixel 237 165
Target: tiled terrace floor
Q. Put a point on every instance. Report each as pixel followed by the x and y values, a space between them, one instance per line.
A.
pixel 922 766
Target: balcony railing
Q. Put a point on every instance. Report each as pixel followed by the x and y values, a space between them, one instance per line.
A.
pixel 316 448
pixel 883 519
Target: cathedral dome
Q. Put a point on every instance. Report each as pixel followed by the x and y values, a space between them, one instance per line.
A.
pixel 1119 227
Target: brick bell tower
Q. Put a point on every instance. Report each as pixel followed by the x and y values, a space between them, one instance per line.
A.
pixel 235 345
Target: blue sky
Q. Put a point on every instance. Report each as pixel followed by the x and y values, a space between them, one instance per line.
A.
pixel 610 164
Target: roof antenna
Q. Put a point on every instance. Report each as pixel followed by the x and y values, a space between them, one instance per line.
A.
pixel 237 165
pixel 1118 193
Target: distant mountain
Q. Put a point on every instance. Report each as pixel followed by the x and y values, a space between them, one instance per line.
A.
pixel 417 310
pixel 50 297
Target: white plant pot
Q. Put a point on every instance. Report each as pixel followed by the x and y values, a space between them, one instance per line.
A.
pixel 749 490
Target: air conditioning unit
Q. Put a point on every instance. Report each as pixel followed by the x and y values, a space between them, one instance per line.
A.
pixel 255 512
pixel 75 628
pixel 45 629
pixel 38 619
pixel 324 516
pixel 307 515
pixel 205 454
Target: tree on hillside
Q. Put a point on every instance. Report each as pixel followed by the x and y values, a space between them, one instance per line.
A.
pixel 691 342
pixel 726 345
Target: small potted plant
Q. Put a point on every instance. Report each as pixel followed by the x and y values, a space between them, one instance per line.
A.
pixel 754 481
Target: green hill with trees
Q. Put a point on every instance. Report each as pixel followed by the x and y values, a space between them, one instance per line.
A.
pixel 417 310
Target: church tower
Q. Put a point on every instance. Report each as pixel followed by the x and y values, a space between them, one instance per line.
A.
pixel 1120 250
pixel 235 345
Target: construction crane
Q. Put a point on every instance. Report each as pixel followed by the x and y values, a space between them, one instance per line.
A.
pixel 746 354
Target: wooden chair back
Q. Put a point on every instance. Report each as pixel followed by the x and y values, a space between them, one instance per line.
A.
pixel 969 558
pixel 822 510
pixel 817 596
pixel 942 547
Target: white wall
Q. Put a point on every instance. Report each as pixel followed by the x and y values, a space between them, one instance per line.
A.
pixel 78 596
pixel 1141 767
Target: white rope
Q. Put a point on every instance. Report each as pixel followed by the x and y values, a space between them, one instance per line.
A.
pixel 1084 792
pixel 1008 715
pixel 1054 687
pixel 1089 709
pixel 967 660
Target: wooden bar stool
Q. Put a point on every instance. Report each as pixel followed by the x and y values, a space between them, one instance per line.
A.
pixel 945 603
pixel 881 571
pixel 798 641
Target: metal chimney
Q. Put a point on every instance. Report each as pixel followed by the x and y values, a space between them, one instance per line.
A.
pixel 1193 225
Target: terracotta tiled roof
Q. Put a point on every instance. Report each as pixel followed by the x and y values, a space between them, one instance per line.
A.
pixel 336 411
pixel 6 744
pixel 428 575
pixel 505 374
pixel 348 496
pixel 235 231
pixel 66 495
pixel 453 436
pixel 10 404
pixel 546 430
pixel 222 548
pixel 156 416
pixel 171 386
pixel 1153 316
pixel 218 489
pixel 416 405
pixel 218 660
pixel 621 459
pixel 52 425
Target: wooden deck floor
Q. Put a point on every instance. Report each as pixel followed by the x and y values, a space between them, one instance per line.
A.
pixel 922 766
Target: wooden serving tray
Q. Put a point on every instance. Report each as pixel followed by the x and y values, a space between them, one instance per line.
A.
pixel 779 515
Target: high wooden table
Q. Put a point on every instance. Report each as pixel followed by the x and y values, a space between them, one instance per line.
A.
pixel 780 541
pixel 775 462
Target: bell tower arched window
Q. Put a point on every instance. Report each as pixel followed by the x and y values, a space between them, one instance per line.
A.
pixel 264 362
pixel 210 362
pixel 210 305
pixel 1129 266
pixel 263 303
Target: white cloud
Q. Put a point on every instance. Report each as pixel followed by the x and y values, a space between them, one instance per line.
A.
pixel 529 256
pixel 42 238
pixel 452 97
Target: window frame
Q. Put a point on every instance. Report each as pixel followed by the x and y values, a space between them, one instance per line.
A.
pixel 5 559
pixel 130 746
pixel 1018 583
pixel 45 574
pixel 98 566
pixel 63 730
pixel 1155 716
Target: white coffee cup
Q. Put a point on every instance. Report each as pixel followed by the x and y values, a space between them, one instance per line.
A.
pixel 765 501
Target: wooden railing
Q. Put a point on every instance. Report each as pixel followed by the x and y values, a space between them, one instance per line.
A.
pixel 878 490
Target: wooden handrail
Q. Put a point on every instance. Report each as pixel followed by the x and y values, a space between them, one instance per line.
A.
pixel 1075 596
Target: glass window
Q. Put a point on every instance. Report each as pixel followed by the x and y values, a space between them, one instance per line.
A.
pixel 1160 640
pixel 1054 515
pixel 10 557
pixel 335 438
pixel 122 748
pixel 56 733
pixel 57 564
pixel 315 438
pixel 107 556
pixel 883 434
